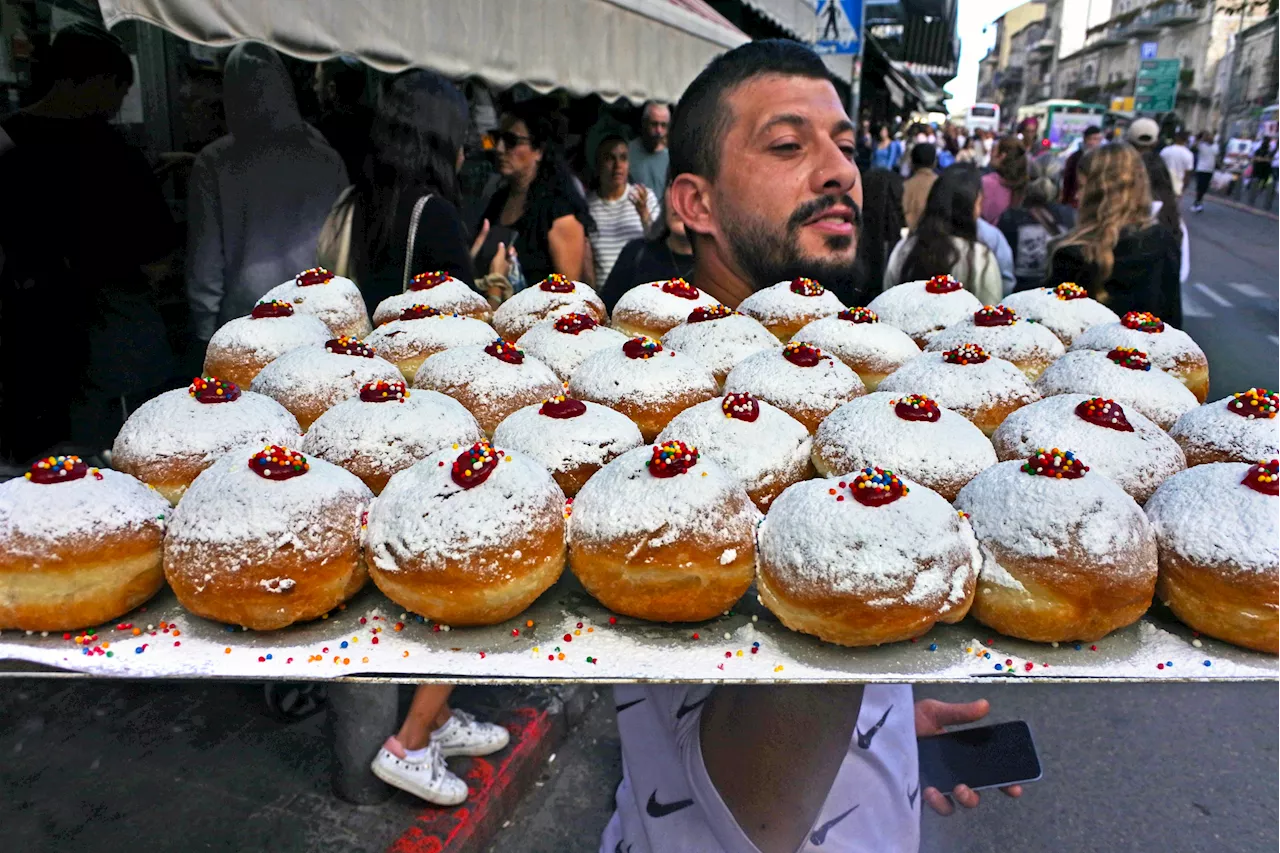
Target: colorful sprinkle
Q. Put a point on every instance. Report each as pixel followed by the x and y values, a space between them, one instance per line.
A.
pixel 474 465
pixel 942 284
pixel 505 351
pixel 641 347
pixel 966 354
pixel 859 315
pixel 1055 463
pixel 347 345
pixel 1069 290
pixel 807 287
pixel 271 308
pixel 1254 403
pixel 562 408
pixel 671 458
pixel 419 312
pixel 315 275
pixel 1264 477
pixel 917 407
pixel 703 313
pixel 1104 413
pixel 382 391
pixel 740 407
pixel 274 462
pixel 557 283
pixel 681 288
pixel 428 280
pixel 572 324
pixel 994 315
pixel 1142 321
pixel 59 469
pixel 1129 357
pixel 802 354
pixel 877 487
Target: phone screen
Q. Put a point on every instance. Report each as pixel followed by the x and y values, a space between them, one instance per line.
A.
pixel 983 757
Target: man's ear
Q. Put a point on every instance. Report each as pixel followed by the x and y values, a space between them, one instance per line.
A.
pixel 691 200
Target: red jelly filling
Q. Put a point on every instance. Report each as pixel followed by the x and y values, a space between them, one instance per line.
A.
pixel 671 458
pixel 571 324
pixel 505 351
pixel 278 463
pixel 1130 358
pixel 562 408
pixel 1070 290
pixel 807 287
pixel 557 283
pixel 59 469
pixel 274 308
pixel 859 315
pixel 419 312
pixel 382 391
pixel 1254 403
pixel 877 487
pixel 1059 464
pixel 709 312
pixel 742 407
pixel 942 284
pixel 315 275
pixel 641 347
pixel 1143 321
pixel 1104 413
pixel 474 465
pixel 428 280
pixel 680 287
pixel 917 407
pixel 347 345
pixel 1263 477
pixel 994 315
pixel 966 354
pixel 802 355
pixel 213 390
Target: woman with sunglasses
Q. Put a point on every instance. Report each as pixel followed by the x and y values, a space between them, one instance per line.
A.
pixel 537 199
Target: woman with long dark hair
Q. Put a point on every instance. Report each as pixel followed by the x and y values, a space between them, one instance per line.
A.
pixel 538 200
pixel 1003 188
pixel 946 239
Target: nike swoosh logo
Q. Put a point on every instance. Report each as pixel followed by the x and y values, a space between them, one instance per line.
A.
pixel 819 836
pixel 657 809
pixel 864 738
pixel 625 705
pixel 911 796
pixel 618 847
pixel 684 709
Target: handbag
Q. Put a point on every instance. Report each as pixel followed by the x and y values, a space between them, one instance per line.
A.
pixel 333 247
pixel 414 218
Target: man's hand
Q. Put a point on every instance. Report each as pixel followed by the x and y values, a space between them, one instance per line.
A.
pixel 932 718
pixel 639 196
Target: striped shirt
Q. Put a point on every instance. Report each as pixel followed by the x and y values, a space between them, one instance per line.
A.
pixel 617 223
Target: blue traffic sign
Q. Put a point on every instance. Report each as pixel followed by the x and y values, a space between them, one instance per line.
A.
pixel 838 27
pixel 1149 50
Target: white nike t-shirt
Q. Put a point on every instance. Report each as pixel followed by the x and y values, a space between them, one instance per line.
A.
pixel 666 803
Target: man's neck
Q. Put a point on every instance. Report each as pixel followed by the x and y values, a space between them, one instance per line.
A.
pixel 654 147
pixel 715 278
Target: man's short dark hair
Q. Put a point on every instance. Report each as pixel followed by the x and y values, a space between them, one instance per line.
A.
pixel 701 118
pixel 924 155
pixel 82 50
pixel 1092 130
pixel 347 77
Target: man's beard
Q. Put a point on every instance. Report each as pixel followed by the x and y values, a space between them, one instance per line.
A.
pixel 766 255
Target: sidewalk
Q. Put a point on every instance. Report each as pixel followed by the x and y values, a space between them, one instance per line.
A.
pixel 1241 205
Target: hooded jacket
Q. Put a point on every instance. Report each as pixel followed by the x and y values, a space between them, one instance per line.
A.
pixel 258 196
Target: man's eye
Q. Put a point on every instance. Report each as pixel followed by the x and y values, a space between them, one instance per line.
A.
pixel 849 151
pixel 786 147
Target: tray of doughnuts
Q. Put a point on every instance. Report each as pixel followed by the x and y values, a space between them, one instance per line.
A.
pixel 920 490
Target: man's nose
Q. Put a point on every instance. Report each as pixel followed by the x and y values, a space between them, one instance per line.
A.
pixel 835 172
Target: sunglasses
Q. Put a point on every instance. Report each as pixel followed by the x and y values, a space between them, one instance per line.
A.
pixel 510 140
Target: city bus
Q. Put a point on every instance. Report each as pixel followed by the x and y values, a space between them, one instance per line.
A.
pixel 983 117
pixel 1062 122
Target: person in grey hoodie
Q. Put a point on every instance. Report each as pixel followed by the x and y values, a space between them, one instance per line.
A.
pixel 258 196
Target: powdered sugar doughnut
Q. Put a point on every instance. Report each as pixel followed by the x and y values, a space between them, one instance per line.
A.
pixel 1065 310
pixel 171 438
pixel 1121 375
pixel 858 338
pixel 565 342
pixel 1125 446
pixel 78 546
pixel 1169 349
pixel 719 337
pixel 874 559
pixel 975 385
pixel 570 438
pixel 553 297
pixel 664 535
pixel 788 306
pixel 1239 428
pixel 387 428
pixel 924 308
pixel 1066 554
pixel 800 379
pixel 1216 526
pixel 334 299
pixel 420 332
pixel 442 292
pixel 910 435
pixel 468 538
pixel 267 539
pixel 312 379
pixel 245 345
pixel 490 382
pixel 656 308
pixel 1030 347
pixel 645 381
pixel 761 445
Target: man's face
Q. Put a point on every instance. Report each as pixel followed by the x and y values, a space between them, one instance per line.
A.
pixel 653 126
pixel 1092 141
pixel 787 199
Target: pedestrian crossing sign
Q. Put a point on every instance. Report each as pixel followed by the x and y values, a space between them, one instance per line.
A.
pixel 838 27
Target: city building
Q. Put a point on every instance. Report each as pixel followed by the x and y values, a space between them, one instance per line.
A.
pixel 1246 83
pixel 1002 72
pixel 911 51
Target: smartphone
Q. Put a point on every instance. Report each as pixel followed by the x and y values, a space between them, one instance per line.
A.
pixel 982 757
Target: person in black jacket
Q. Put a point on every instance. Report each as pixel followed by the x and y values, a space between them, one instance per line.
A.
pixel 664 254
pixel 1031 227
pixel 1117 251
pixel 882 224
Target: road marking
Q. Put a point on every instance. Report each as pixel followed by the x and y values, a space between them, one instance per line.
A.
pixel 1249 290
pixel 1191 306
pixel 1214 297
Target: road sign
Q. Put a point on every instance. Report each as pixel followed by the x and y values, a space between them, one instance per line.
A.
pixel 838 27
pixel 1156 87
pixel 1149 50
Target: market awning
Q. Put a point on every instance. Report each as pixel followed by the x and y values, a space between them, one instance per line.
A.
pixel 633 49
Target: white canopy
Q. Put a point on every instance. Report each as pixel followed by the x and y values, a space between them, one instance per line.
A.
pixel 633 49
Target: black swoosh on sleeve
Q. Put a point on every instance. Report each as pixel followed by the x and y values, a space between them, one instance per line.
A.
pixel 625 705
pixel 819 836
pixel 656 809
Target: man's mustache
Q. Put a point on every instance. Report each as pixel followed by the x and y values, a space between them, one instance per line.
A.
pixel 810 209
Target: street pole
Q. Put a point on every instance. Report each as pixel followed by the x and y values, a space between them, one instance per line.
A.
pixel 855 83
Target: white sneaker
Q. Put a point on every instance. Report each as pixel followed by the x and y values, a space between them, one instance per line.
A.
pixel 464 735
pixel 429 778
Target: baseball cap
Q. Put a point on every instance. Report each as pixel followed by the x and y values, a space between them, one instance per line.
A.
pixel 1143 131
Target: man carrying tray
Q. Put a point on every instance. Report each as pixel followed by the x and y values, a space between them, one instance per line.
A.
pixel 763 178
